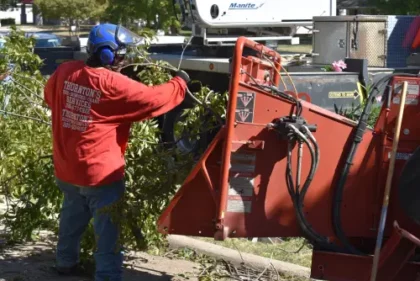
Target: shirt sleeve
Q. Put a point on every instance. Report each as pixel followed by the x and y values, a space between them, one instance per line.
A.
pixel 132 101
pixel 49 89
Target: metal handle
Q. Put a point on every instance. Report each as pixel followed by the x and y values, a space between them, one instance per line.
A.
pixel 243 42
pixel 236 76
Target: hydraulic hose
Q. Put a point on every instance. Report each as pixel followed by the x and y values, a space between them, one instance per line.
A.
pixel 358 136
pixel 297 200
pixel 299 197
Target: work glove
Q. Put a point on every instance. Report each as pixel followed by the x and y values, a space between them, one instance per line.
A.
pixel 192 86
pixel 183 75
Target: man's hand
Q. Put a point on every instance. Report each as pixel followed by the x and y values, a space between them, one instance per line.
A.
pixel 192 86
pixel 183 75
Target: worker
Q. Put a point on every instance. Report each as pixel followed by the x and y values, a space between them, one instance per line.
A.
pixel 93 106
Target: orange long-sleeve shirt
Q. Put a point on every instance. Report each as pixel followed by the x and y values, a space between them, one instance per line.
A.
pixel 92 111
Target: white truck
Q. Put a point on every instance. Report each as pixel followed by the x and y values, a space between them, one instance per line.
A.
pixel 216 25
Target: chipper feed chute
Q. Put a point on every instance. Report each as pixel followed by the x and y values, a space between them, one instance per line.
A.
pixel 283 167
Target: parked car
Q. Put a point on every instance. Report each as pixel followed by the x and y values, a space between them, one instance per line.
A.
pixel 42 39
pixel 46 40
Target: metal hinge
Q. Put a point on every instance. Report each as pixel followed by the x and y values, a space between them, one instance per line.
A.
pixel 382 57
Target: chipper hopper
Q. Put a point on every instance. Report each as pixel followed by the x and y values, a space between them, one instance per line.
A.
pixel 283 167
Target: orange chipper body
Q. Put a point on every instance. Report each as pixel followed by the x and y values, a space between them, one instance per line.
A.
pixel 287 168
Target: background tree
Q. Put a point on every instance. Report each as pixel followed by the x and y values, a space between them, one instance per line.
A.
pixel 156 14
pixel 72 9
pixel 5 4
pixel 397 7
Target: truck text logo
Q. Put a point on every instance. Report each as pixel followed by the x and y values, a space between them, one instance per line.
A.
pixel 247 6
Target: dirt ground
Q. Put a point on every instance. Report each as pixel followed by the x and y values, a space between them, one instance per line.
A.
pixel 32 262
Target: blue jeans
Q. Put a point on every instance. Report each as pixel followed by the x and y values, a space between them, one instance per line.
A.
pixel 79 206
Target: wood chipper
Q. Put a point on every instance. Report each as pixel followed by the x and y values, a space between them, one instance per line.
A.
pixel 283 167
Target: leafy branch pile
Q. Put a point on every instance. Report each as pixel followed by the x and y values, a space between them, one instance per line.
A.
pixel 154 170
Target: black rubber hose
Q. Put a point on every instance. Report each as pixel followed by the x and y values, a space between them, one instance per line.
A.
pixel 289 178
pixel 358 136
pixel 316 162
pixel 298 199
pixel 307 230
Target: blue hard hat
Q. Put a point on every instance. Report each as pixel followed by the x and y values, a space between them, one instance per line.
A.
pixel 111 36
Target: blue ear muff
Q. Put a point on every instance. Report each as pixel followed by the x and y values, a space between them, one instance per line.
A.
pixel 106 56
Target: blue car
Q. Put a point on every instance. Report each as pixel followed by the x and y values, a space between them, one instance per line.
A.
pixel 45 40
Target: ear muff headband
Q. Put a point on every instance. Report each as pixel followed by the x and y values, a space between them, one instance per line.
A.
pixel 106 56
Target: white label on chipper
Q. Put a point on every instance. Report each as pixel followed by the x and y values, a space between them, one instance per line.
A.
pixel 413 92
pixel 239 206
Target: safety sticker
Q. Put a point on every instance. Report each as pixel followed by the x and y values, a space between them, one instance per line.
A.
pixel 241 186
pixel 241 162
pixel 343 95
pixel 245 105
pixel 239 206
pixel 413 92
pixel 401 156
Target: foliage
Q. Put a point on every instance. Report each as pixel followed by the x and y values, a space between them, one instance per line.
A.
pixel 397 7
pixel 6 4
pixel 156 14
pixel 336 66
pixel 125 11
pixel 71 9
pixel 25 149
pixel 355 111
pixel 153 173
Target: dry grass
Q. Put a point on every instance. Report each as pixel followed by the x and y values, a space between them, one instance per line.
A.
pixel 301 48
pixel 293 250
pixel 286 250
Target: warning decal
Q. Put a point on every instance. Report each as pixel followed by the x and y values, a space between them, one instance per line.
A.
pixel 343 95
pixel 401 155
pixel 245 104
pixel 241 182
pixel 413 92
pixel 241 192
pixel 242 162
